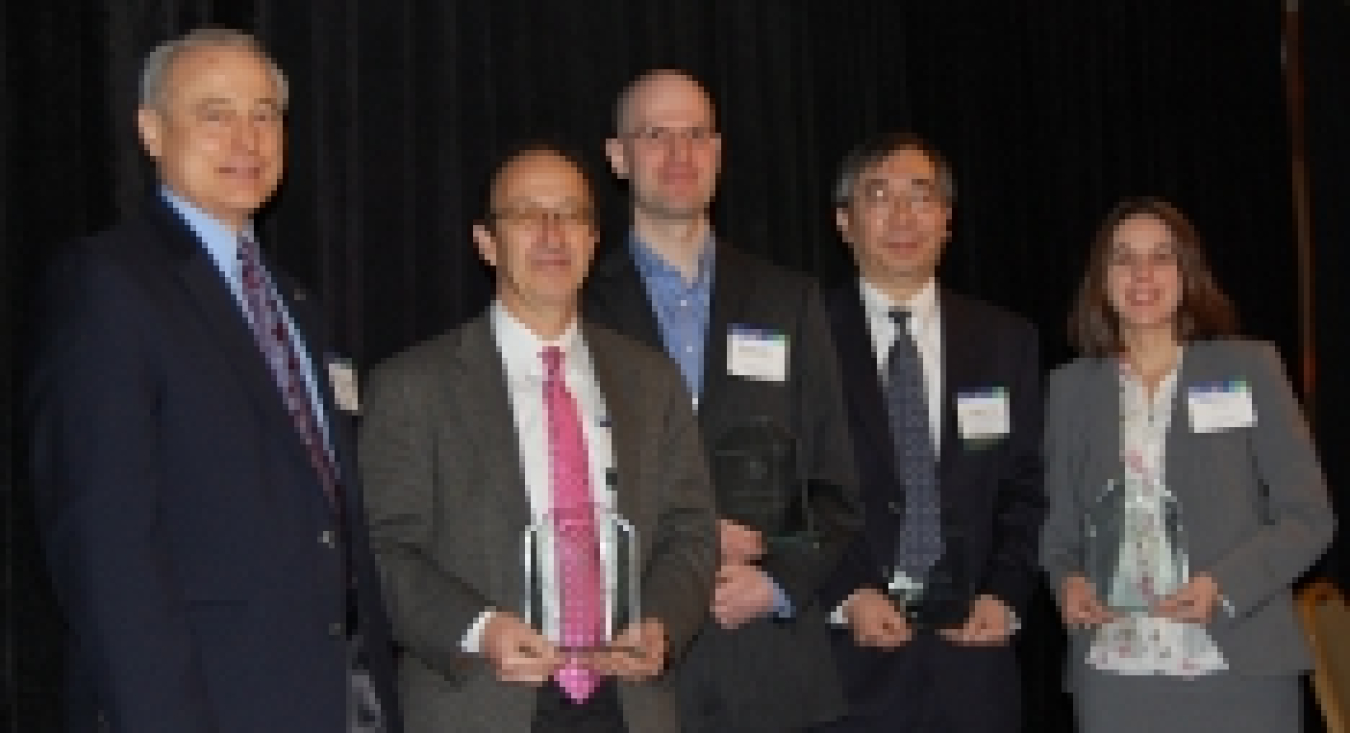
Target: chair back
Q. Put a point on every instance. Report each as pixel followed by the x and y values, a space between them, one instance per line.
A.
pixel 1326 622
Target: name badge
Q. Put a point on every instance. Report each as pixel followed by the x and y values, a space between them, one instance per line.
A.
pixel 1220 406
pixel 983 414
pixel 757 353
pixel 342 375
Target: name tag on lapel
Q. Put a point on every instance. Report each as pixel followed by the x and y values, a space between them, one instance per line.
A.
pixel 757 353
pixel 1219 406
pixel 983 414
pixel 342 375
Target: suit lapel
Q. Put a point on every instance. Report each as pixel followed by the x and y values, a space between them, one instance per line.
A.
pixel 224 320
pixel 732 287
pixel 858 367
pixel 622 401
pixel 616 296
pixel 484 400
pixel 962 358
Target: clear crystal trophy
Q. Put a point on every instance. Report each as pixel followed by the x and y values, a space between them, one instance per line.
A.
pixel 557 536
pixel 1133 547
pixel 755 476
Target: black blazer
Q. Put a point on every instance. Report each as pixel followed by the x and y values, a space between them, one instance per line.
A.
pixel 992 505
pixel 992 498
pixel 192 548
pixel 740 680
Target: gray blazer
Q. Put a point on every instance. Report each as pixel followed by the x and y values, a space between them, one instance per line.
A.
pixel 447 506
pixel 1253 500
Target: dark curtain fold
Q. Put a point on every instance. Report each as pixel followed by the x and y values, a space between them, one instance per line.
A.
pixel 1049 111
pixel 1326 99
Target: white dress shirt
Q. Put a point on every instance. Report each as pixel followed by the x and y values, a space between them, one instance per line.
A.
pixel 521 352
pixel 925 326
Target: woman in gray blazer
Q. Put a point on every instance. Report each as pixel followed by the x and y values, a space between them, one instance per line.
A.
pixel 1185 496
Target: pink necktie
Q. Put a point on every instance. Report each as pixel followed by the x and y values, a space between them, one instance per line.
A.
pixel 578 546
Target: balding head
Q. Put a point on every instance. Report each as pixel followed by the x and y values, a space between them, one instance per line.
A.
pixel 652 88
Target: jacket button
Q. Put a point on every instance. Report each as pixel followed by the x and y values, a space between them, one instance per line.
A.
pixel 895 507
pixel 327 539
pixel 336 630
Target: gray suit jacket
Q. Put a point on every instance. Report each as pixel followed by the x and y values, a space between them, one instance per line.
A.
pixel 1253 500
pixel 447 505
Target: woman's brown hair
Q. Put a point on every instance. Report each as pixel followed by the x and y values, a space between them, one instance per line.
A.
pixel 1204 312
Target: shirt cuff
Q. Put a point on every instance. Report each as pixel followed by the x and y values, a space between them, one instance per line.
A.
pixel 782 605
pixel 472 641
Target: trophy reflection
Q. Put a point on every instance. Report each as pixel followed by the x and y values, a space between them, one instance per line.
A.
pixel 582 557
pixel 756 479
pixel 939 598
pixel 1133 546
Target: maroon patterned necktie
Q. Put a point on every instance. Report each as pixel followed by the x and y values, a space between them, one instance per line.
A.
pixel 274 338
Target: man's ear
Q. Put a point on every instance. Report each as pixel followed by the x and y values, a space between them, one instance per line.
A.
pixel 150 124
pixel 618 157
pixel 487 244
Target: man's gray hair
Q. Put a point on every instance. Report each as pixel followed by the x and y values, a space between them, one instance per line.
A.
pixel 155 70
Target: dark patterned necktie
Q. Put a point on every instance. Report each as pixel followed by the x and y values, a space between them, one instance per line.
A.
pixel 920 542
pixel 274 338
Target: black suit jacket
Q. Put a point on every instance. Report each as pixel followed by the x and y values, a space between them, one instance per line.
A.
pixel 194 553
pixel 769 675
pixel 992 496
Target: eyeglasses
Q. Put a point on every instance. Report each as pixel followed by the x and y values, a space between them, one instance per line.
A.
pixel 663 136
pixel 920 198
pixel 539 217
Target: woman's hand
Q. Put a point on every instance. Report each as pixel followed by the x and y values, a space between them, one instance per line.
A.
pixel 1079 605
pixel 1193 602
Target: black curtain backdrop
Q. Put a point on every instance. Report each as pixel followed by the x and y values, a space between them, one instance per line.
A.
pixel 1049 110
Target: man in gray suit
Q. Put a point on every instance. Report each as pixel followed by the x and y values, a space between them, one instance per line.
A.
pixel 476 434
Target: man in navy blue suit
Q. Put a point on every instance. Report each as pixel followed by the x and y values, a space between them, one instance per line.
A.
pixel 944 409
pixel 197 496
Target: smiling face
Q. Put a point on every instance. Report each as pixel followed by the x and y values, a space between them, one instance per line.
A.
pixel 541 237
pixel 216 131
pixel 897 221
pixel 1143 275
pixel 667 147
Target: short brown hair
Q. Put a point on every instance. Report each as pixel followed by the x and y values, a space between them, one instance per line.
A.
pixel 1204 312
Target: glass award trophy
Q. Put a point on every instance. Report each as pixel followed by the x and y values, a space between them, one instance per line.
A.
pixel 755 477
pixel 1133 547
pixel 556 536
pixel 942 597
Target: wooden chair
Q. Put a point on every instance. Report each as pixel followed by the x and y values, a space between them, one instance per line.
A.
pixel 1326 622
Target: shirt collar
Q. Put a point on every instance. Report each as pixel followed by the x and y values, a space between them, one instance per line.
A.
pixel 652 266
pixel 220 241
pixel 923 305
pixel 521 348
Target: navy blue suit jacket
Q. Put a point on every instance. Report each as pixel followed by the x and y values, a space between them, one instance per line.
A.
pixel 992 505
pixel 193 551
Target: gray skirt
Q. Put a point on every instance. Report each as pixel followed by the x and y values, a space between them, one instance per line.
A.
pixel 1105 702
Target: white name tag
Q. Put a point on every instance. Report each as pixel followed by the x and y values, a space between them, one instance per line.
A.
pixel 757 353
pixel 983 413
pixel 342 375
pixel 1219 406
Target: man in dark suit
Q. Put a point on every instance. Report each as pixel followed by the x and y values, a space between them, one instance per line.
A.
pixel 462 450
pixel 197 495
pixel 944 404
pixel 752 343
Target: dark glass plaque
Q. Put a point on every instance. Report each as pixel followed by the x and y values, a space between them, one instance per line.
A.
pixel 755 476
